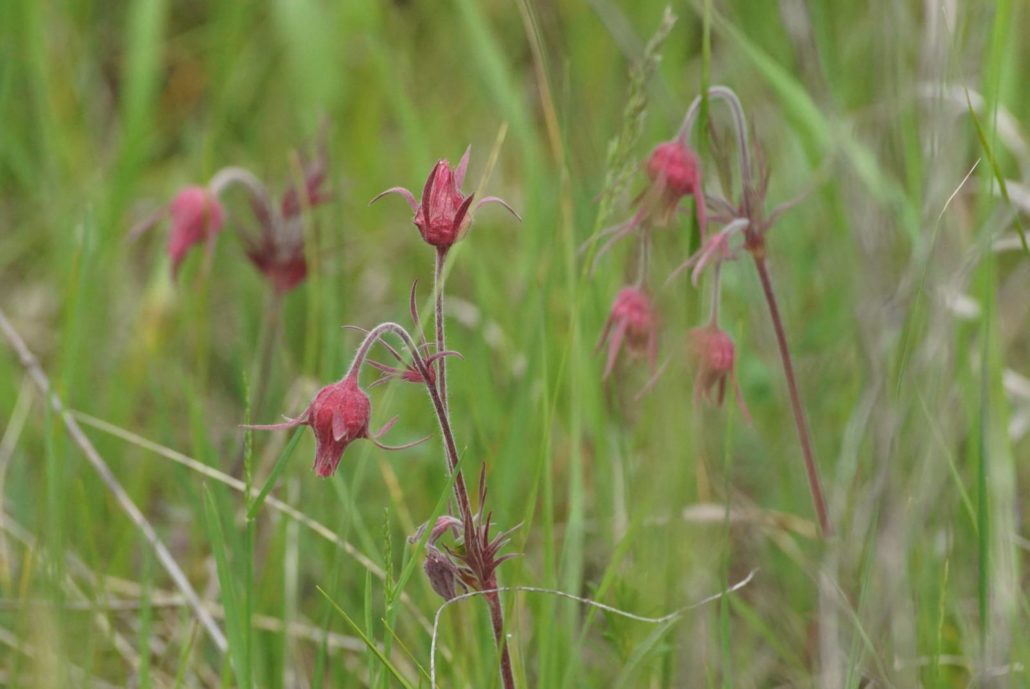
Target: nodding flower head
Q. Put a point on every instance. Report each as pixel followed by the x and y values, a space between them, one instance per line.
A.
pixel 277 249
pixel 196 217
pixel 338 415
pixel 284 267
pixel 444 213
pixel 633 322
pixel 676 172
pixel 714 355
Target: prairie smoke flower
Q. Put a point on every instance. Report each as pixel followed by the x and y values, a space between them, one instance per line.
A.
pixel 277 249
pixel 714 355
pixel 444 213
pixel 338 415
pixel 633 322
pixel 196 217
pixel 675 172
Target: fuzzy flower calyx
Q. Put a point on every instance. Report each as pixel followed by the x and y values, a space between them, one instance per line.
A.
pixel 633 324
pixel 675 172
pixel 714 355
pixel 338 415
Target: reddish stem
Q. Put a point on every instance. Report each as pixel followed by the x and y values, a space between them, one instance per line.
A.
pixel 811 470
pixel 438 393
pixel 497 621
pixel 450 447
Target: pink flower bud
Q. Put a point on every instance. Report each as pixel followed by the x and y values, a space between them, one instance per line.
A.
pixel 338 415
pixel 443 214
pixel 676 166
pixel 676 172
pixel 633 322
pixel 196 217
pixel 714 355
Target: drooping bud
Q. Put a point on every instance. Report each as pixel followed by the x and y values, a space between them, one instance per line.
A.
pixel 284 267
pixel 338 415
pixel 633 323
pixel 442 573
pixel 714 356
pixel 676 172
pixel 196 217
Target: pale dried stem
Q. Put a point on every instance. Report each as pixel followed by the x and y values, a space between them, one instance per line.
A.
pixel 569 596
pixel 164 556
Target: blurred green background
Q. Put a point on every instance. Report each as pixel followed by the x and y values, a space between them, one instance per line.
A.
pixel 902 285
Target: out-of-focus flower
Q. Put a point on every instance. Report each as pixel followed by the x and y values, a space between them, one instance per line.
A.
pixel 633 323
pixel 675 172
pixel 196 217
pixel 714 356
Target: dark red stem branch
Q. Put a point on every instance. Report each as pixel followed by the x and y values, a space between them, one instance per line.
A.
pixel 811 470
pixel 438 393
pixel 497 621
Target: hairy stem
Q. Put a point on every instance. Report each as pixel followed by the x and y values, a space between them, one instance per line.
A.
pixel 811 470
pixel 497 622
pixel 450 447
pixel 740 124
pixel 460 489
pixel 229 176
pixel 441 376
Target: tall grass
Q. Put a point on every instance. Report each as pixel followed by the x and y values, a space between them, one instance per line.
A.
pixel 906 311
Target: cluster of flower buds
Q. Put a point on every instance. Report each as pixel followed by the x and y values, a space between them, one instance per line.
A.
pixel 674 173
pixel 471 562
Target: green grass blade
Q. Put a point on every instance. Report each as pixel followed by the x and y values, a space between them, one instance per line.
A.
pixel 273 475
pixel 371 646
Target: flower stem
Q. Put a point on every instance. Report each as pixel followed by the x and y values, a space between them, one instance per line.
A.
pixel 450 447
pixel 441 376
pixel 460 489
pixel 497 622
pixel 811 470
pixel 438 393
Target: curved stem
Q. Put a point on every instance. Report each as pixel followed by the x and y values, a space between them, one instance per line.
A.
pixel 228 176
pixel 450 447
pixel 460 490
pixel 811 470
pixel 730 97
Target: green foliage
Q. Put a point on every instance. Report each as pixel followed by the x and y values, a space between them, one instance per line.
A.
pixel 905 310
